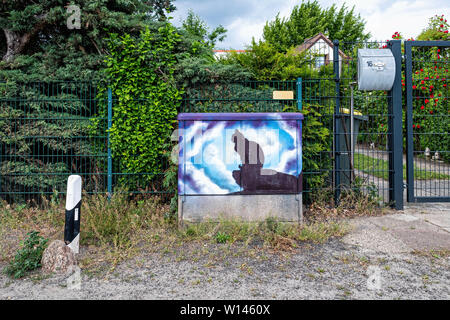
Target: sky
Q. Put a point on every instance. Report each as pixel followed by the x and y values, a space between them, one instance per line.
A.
pixel 245 19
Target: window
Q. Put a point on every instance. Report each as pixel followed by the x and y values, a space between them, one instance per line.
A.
pixel 320 61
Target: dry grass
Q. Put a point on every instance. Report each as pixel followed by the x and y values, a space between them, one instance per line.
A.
pixel 120 229
pixel 351 204
pixel 433 254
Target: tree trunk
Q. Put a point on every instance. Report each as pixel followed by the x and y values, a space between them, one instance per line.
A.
pixel 14 43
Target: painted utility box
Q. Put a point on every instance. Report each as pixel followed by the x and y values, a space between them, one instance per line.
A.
pixel 246 165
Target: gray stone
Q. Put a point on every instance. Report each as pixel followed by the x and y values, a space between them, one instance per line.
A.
pixel 284 207
pixel 58 258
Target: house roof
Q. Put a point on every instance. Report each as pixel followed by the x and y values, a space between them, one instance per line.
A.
pixel 227 51
pixel 308 43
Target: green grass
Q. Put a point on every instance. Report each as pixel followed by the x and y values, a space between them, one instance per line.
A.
pixel 380 168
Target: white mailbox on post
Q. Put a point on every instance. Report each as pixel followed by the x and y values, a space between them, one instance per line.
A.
pixel 376 69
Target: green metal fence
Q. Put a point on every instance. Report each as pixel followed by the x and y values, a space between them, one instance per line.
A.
pixel 45 136
pixel 51 130
pixel 427 120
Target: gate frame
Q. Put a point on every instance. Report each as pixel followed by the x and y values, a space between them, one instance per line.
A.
pixel 409 120
pixel 395 133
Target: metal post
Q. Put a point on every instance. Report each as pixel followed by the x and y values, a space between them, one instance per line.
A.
pixel 395 138
pixel 352 132
pixel 109 177
pixel 409 123
pixel 299 94
pixel 337 126
pixel 73 213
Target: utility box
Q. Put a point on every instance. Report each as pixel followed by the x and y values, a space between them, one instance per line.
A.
pixel 346 172
pixel 240 165
pixel 376 69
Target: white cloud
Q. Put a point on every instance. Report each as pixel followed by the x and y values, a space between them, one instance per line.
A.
pixel 202 182
pixel 246 19
pixel 384 17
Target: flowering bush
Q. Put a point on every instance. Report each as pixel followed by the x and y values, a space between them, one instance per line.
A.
pixel 431 122
pixel 431 115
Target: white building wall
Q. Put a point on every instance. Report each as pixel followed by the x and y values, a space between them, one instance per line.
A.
pixel 323 48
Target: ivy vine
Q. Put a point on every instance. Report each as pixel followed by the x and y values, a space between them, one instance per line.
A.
pixel 145 99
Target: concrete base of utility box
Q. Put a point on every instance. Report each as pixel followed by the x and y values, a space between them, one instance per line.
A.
pixel 284 207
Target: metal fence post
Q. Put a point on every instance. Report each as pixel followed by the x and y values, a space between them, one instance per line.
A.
pixel 395 138
pixel 337 127
pixel 409 123
pixel 109 174
pixel 299 94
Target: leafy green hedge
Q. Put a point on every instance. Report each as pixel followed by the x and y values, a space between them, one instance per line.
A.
pixel 140 75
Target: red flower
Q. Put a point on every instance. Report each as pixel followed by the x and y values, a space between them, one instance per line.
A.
pixel 414 125
pixel 446 31
pixel 426 100
pixel 431 87
pixel 422 82
pixel 422 107
pixel 414 87
pixel 431 111
pixel 418 126
pixel 421 70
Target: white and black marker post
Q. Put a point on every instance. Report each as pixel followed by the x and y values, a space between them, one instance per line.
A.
pixel 73 210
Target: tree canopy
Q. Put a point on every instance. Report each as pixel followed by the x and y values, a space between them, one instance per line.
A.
pixel 37 41
pixel 195 26
pixel 308 19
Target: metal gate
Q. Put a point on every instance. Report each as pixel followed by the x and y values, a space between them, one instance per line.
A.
pixel 427 121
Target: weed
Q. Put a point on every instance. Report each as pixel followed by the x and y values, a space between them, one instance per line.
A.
pixel 436 254
pixel 28 257
pixel 222 237
pixel 361 199
pixel 281 236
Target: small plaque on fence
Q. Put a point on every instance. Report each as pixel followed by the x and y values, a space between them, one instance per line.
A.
pixel 283 95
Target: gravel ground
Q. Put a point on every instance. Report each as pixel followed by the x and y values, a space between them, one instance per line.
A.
pixel 333 270
pixel 388 257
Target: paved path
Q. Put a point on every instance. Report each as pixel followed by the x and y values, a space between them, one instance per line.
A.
pixel 422 188
pixel 420 163
pixel 419 227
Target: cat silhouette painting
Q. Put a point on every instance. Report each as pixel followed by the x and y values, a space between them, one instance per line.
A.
pixel 251 176
pixel 240 154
